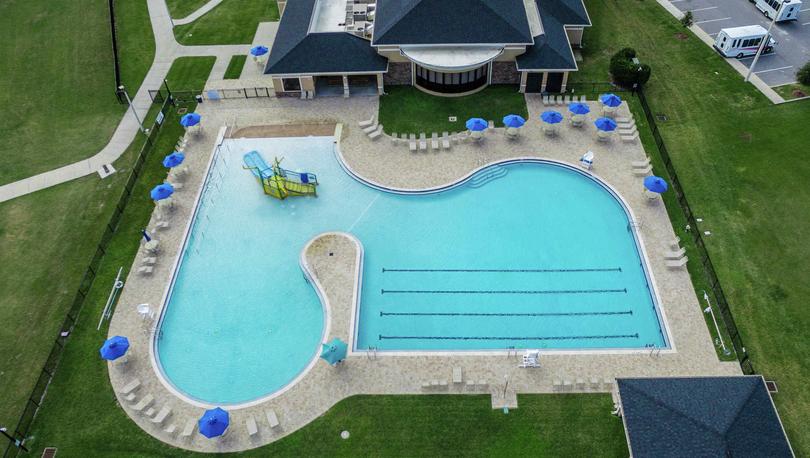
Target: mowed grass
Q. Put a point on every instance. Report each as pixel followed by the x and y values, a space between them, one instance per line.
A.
pixel 136 44
pixel 235 66
pixel 405 109
pixel 231 22
pixel 179 9
pixel 190 73
pixel 735 155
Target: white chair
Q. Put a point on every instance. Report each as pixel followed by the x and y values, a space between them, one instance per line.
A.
pixel 677 264
pixel 272 418
pixel 445 140
pixel 250 424
pixel 457 375
pixel 188 429
pixel 145 311
pixel 675 255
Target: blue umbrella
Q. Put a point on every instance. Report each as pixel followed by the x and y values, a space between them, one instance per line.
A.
pixel 162 191
pixel 551 117
pixel 259 50
pixel 214 422
pixel 114 348
pixel 610 100
pixel 513 121
pixel 655 184
pixel 334 351
pixel 605 124
pixel 578 108
pixel 476 124
pixel 173 160
pixel 190 119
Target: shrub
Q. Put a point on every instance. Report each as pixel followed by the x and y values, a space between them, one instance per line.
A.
pixel 626 73
pixel 803 75
pixel 687 19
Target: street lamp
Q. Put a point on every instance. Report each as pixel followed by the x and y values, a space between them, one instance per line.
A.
pixel 17 442
pixel 129 102
pixel 765 43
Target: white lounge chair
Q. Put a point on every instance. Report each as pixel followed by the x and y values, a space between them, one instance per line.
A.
pixel 143 403
pixel 677 264
pixel 145 270
pixel 422 142
pixel 130 397
pixel 376 134
pixel 674 255
pixel 445 140
pixel 412 143
pixel 557 385
pixel 642 172
pixel 149 261
pixel 130 387
pixel 483 384
pixel 545 100
pixel 675 243
pixel 594 383
pixel 641 164
pixel 161 416
pixel 161 225
pixel 567 100
pixel 490 124
pixel 457 375
pixel 370 128
pixel 364 124
pixel 629 138
pixel 188 429
pixel 580 384
pixel 250 424
pixel 394 138
pixel 470 384
pixel 171 429
pixel 434 141
pixel 271 418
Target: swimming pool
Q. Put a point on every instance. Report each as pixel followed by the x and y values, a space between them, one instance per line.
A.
pixel 524 255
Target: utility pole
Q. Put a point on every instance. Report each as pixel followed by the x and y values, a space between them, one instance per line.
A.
pixel 131 107
pixel 764 43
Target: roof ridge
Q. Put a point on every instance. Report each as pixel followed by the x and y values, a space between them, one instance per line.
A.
pixel 498 13
pixel 753 390
pixel 693 420
pixel 391 24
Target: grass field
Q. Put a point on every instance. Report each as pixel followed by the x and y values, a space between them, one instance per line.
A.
pixel 179 9
pixel 738 174
pixel 793 91
pixel 405 109
pixel 231 22
pixel 234 70
pixel 190 73
pixel 136 44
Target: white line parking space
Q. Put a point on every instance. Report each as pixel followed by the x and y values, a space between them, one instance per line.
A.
pixel 793 38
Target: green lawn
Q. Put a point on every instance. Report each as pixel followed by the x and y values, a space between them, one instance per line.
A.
pixel 793 91
pixel 190 73
pixel 179 9
pixel 234 70
pixel 733 151
pixel 136 44
pixel 405 109
pixel 231 22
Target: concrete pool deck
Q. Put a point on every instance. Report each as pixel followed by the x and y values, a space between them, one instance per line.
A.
pixel 321 386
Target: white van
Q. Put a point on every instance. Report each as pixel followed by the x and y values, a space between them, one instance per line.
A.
pixel 744 41
pixel 782 10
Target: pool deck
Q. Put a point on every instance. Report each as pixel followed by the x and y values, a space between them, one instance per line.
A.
pixel 321 386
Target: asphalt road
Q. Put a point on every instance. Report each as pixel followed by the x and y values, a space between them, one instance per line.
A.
pixel 793 38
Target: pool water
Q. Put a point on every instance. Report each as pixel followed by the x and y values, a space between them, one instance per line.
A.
pixel 529 255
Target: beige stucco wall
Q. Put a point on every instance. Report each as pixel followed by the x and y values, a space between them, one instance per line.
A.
pixel 307 83
pixel 575 36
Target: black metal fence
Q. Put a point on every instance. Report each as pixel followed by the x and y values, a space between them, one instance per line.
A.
pixel 708 267
pixel 45 377
pixel 116 61
pixel 160 95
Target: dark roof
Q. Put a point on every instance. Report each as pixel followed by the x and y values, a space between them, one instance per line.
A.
pixel 295 51
pixel 701 417
pixel 415 22
pixel 552 50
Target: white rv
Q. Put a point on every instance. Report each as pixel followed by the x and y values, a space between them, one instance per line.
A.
pixel 782 10
pixel 744 41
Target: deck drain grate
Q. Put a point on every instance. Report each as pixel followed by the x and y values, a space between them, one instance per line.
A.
pixel 49 452
pixel 771 384
pixel 182 110
pixel 661 117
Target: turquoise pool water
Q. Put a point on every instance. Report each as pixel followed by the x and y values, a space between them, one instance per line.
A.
pixel 524 255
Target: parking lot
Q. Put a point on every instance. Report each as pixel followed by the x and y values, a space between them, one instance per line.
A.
pixel 793 38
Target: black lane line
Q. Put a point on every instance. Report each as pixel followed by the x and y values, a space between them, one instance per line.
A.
pixel 627 312
pixel 617 336
pixel 604 269
pixel 510 291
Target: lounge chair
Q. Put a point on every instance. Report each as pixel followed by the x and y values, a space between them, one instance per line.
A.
pixel 642 172
pixel 641 164
pixel 150 261
pixel 171 429
pixel 545 100
pixel 130 397
pixel 559 100
pixel 145 270
pixel 364 124
pixel 394 138
pixel 483 384
pixel 567 100
pixel 580 384
pixel 566 385
pixel 434 141
pixel 457 375
pixel 376 133
pixel 675 255
pixel 160 225
pixel 370 128
pixel 470 384
pixel 675 243
pixel 412 143
pixel 594 383
pixel 130 387
pixel 629 138
pixel 490 124
pixel 677 264
pixel 250 424
pixel 422 142
pixel 143 403
pixel 161 416
pixel 557 385
pixel 271 417
pixel 188 429
pixel 404 138
pixel 445 140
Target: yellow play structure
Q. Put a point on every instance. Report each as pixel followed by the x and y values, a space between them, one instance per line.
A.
pixel 280 183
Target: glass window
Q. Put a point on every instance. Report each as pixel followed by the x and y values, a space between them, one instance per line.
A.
pixel 455 78
pixel 291 84
pixel 465 77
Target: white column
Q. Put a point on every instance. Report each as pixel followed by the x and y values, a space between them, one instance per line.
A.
pixel 345 86
pixel 564 82
pixel 380 88
pixel 523 76
pixel 543 83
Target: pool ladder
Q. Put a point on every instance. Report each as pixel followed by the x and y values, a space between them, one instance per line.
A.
pixel 633 224
pixel 371 353
pixel 488 175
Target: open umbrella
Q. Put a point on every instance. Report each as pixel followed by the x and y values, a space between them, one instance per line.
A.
pixel 214 422
pixel 513 120
pixel 114 348
pixel 259 50
pixel 551 117
pixel 334 351
pixel 476 124
pixel 655 184
pixel 579 108
pixel 605 124
pixel 162 191
pixel 190 119
pixel 610 100
pixel 173 160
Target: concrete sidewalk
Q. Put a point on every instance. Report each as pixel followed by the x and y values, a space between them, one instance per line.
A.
pixel 197 14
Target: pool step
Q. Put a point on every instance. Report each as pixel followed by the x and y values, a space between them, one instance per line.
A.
pixel 488 175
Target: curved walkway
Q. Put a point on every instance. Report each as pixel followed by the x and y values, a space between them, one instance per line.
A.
pixel 335 278
pixel 166 51
pixel 196 15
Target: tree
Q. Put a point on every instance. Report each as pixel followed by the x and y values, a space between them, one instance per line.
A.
pixel 803 75
pixel 687 19
pixel 627 73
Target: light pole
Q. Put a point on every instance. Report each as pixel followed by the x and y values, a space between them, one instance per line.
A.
pixel 765 43
pixel 17 443
pixel 131 107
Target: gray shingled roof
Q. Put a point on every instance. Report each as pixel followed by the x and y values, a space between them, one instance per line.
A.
pixel 701 417
pixel 297 52
pixel 552 51
pixel 415 22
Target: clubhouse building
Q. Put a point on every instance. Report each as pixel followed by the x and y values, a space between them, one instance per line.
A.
pixel 444 47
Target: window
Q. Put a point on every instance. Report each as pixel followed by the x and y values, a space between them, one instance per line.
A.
pixel 291 84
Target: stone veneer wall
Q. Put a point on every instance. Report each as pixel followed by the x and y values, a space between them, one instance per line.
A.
pixel 399 73
pixel 505 73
